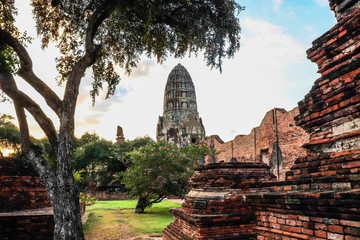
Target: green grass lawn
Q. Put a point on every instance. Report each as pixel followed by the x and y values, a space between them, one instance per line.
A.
pixel 110 219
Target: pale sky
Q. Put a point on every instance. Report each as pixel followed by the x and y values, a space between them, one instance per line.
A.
pixel 270 70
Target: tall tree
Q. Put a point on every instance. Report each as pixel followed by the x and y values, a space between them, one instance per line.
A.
pixel 100 34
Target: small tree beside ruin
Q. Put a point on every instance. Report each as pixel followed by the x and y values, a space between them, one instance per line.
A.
pixel 160 170
pixel 99 34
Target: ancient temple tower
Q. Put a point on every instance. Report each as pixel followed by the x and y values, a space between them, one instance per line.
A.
pixel 180 123
pixel 120 135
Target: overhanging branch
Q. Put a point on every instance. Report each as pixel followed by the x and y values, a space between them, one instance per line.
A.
pixel 91 50
pixel 26 72
pixel 8 85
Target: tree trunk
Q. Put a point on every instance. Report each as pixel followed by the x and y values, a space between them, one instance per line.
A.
pixel 141 205
pixel 67 216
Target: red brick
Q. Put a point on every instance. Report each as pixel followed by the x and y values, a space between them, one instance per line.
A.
pixel 351 238
pixel 316 219
pixel 353 164
pixel 307 231
pixel 272 219
pixel 336 229
pixel 320 233
pixel 291 222
pixel 304 218
pixel 350 223
pixel 281 220
pixel 296 229
pixel 320 226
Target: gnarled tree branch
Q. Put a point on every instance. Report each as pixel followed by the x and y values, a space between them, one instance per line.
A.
pixel 8 85
pixel 26 72
pixel 73 83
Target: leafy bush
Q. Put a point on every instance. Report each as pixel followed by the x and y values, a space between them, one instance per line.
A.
pixel 159 170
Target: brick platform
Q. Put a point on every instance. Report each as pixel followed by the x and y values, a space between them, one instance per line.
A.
pixel 23 198
pixel 215 207
pixel 27 225
pixel 20 187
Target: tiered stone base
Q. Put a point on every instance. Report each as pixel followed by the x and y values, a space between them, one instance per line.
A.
pixel 320 200
pixel 216 207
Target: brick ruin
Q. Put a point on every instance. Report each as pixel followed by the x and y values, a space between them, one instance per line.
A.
pixel 215 207
pixel 320 196
pixel 276 140
pixel 25 207
pixel 120 138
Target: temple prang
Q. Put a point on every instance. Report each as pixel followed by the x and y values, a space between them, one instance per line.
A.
pixel 180 123
pixel 120 135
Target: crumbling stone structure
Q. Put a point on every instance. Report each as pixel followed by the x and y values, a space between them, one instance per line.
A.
pixel 180 123
pixel 25 207
pixel 215 207
pixel 320 197
pixel 277 142
pixel 120 135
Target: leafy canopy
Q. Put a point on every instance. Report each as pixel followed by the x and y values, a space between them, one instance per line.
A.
pixel 100 159
pixel 123 30
pixel 9 134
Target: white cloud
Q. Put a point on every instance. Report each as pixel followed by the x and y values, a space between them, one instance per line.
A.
pixel 277 4
pixel 251 84
pixel 143 68
pixel 322 3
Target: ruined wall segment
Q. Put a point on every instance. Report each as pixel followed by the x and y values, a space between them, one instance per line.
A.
pixel 277 126
pixel 330 111
pixel 180 123
pixel 320 198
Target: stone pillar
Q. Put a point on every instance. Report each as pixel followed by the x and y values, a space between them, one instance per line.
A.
pixel 215 207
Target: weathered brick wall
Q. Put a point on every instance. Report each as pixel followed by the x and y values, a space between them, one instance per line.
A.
pixel 330 111
pixel 20 187
pixel 103 195
pixel 320 198
pixel 22 192
pixel 258 146
pixel 27 227
pixel 318 201
pixel 22 199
